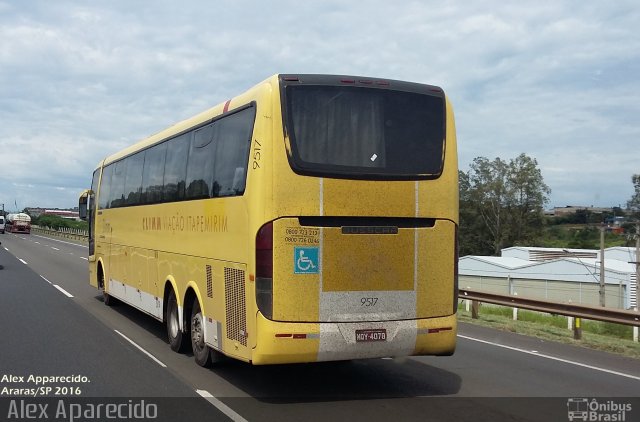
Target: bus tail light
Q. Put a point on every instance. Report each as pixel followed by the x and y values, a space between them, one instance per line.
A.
pixel 264 270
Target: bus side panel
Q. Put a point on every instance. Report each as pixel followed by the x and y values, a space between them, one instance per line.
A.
pixel 235 284
pixel 93 271
pixel 222 293
pixel 118 268
pixel 296 296
pixel 213 306
pixel 138 268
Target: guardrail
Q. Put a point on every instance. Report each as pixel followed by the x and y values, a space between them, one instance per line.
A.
pixel 67 233
pixel 617 316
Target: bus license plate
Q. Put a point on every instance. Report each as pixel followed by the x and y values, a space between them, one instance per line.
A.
pixel 379 334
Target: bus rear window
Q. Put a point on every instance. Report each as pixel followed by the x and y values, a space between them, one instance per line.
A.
pixel 365 133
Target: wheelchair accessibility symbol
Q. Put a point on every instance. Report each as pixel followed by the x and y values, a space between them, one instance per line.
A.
pixel 305 261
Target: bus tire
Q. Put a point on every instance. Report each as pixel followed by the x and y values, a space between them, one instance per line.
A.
pixel 107 299
pixel 174 334
pixel 201 352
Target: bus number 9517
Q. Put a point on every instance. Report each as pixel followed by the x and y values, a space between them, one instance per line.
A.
pixel 368 301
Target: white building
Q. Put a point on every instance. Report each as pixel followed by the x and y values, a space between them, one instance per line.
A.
pixel 561 275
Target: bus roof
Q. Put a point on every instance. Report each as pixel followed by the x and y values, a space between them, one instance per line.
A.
pixel 243 98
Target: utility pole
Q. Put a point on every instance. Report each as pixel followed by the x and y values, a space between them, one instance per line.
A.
pixel 602 302
pixel 637 263
pixel 635 329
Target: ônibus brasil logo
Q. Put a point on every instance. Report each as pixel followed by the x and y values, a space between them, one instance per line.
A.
pixel 582 409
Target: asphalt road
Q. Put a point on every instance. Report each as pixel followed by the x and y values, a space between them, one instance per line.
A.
pixel 55 324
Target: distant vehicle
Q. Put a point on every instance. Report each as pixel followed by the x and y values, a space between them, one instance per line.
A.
pixel 1 224
pixel 18 223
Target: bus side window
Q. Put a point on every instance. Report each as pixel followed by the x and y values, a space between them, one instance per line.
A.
pixel 105 187
pixel 117 184
pixel 175 168
pixel 232 136
pixel 238 180
pixel 152 174
pixel 200 166
pixel 133 180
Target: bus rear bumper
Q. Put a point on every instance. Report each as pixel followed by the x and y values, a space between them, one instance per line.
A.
pixel 289 342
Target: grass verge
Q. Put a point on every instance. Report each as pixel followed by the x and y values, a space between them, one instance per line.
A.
pixel 614 338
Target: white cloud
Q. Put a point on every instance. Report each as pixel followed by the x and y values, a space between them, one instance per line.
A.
pixel 554 79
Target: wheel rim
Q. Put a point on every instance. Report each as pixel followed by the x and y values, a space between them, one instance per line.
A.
pixel 173 323
pixel 197 331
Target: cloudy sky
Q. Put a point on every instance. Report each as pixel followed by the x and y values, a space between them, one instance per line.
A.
pixel 557 80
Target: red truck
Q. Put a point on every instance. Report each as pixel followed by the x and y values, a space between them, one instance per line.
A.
pixel 18 223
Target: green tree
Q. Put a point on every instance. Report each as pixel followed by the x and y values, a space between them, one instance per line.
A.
pixel 501 204
pixel 527 194
pixel 484 205
pixel 473 237
pixel 56 222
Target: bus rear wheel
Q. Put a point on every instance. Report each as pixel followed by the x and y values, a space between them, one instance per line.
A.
pixel 201 352
pixel 174 333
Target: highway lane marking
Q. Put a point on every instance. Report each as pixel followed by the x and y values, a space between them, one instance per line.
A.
pixel 55 249
pixel 66 293
pixel 62 241
pixel 23 261
pixel 46 280
pixel 84 257
pixel 155 359
pixel 535 353
pixel 221 406
pixel 6 249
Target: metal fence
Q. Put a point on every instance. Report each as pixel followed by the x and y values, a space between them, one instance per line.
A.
pixel 65 232
pixel 596 313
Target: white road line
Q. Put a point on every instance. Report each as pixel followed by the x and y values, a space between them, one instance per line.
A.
pixel 23 261
pixel 61 241
pixel 6 249
pixel 37 243
pixel 84 257
pixel 535 353
pixel 141 349
pixel 45 279
pixel 221 406
pixel 55 249
pixel 66 293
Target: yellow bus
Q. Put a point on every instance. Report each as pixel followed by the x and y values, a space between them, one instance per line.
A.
pixel 312 218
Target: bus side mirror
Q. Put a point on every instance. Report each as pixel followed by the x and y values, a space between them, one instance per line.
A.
pixel 83 204
pixel 83 210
